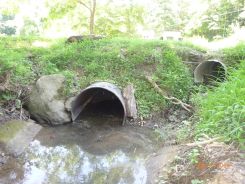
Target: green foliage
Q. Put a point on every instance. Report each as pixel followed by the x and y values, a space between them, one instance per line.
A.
pixel 172 76
pixel 169 18
pixel 193 156
pixel 234 55
pixel 7 30
pixel 160 135
pixel 185 132
pixel 7 96
pixel 218 19
pixel 120 61
pixel 222 111
pixel 30 29
pixel 4 27
pixel 121 20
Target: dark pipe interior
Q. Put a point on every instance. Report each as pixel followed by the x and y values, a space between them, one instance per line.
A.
pixel 217 73
pixel 104 108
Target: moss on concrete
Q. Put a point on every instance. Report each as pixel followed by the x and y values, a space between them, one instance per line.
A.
pixel 10 129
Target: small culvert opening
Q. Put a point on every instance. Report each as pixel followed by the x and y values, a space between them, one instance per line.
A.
pixel 209 71
pixel 99 106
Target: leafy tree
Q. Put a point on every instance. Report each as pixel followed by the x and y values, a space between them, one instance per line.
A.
pixel 110 17
pixel 5 28
pixel 166 16
pixel 91 7
pixel 120 19
pixel 60 9
pixel 30 28
pixel 219 18
pixel 170 15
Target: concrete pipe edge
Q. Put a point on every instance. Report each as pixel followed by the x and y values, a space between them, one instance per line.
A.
pixel 76 105
pixel 205 66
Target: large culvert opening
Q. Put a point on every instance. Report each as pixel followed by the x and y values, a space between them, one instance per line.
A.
pixel 99 106
pixel 210 71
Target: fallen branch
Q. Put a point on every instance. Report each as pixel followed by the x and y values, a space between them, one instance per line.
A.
pixel 203 142
pixel 173 100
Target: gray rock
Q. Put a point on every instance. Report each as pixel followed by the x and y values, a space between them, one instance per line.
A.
pixel 172 118
pixel 68 103
pixel 86 125
pixel 16 135
pixel 47 101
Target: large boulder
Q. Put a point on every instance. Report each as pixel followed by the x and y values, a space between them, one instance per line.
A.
pixel 47 100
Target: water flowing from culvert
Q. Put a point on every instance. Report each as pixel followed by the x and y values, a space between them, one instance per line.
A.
pixel 86 152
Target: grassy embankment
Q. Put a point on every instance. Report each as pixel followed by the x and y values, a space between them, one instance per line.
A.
pixel 222 111
pixel 121 61
pixel 124 61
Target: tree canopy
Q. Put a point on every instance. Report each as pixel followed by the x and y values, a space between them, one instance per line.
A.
pixel 210 19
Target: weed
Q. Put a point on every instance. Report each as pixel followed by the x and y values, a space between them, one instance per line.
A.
pixel 234 55
pixel 222 110
pixel 193 156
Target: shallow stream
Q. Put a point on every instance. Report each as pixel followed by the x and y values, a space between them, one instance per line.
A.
pixel 92 151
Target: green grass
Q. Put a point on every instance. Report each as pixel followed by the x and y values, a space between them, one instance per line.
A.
pixel 234 55
pixel 118 60
pixel 222 111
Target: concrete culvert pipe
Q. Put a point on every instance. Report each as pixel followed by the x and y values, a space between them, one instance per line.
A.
pixel 99 99
pixel 208 71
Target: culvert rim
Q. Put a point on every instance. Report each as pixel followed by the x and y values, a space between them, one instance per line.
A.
pixel 198 72
pixel 112 88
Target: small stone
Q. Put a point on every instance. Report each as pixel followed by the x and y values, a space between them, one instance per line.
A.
pixel 186 122
pixel 86 125
pixel 172 118
pixel 155 125
pixel 99 139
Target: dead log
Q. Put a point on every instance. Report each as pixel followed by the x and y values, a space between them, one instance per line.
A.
pixel 130 102
pixel 173 100
pixel 81 38
pixel 203 142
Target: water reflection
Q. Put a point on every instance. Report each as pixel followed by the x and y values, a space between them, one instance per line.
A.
pixel 71 164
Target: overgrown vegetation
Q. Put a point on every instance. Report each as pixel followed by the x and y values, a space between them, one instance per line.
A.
pixel 222 110
pixel 234 55
pixel 123 61
pixel 118 60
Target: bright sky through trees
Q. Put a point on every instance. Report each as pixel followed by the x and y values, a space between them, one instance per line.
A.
pixel 211 19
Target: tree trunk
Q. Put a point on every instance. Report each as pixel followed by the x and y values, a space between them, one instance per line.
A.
pixel 92 9
pixel 92 15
